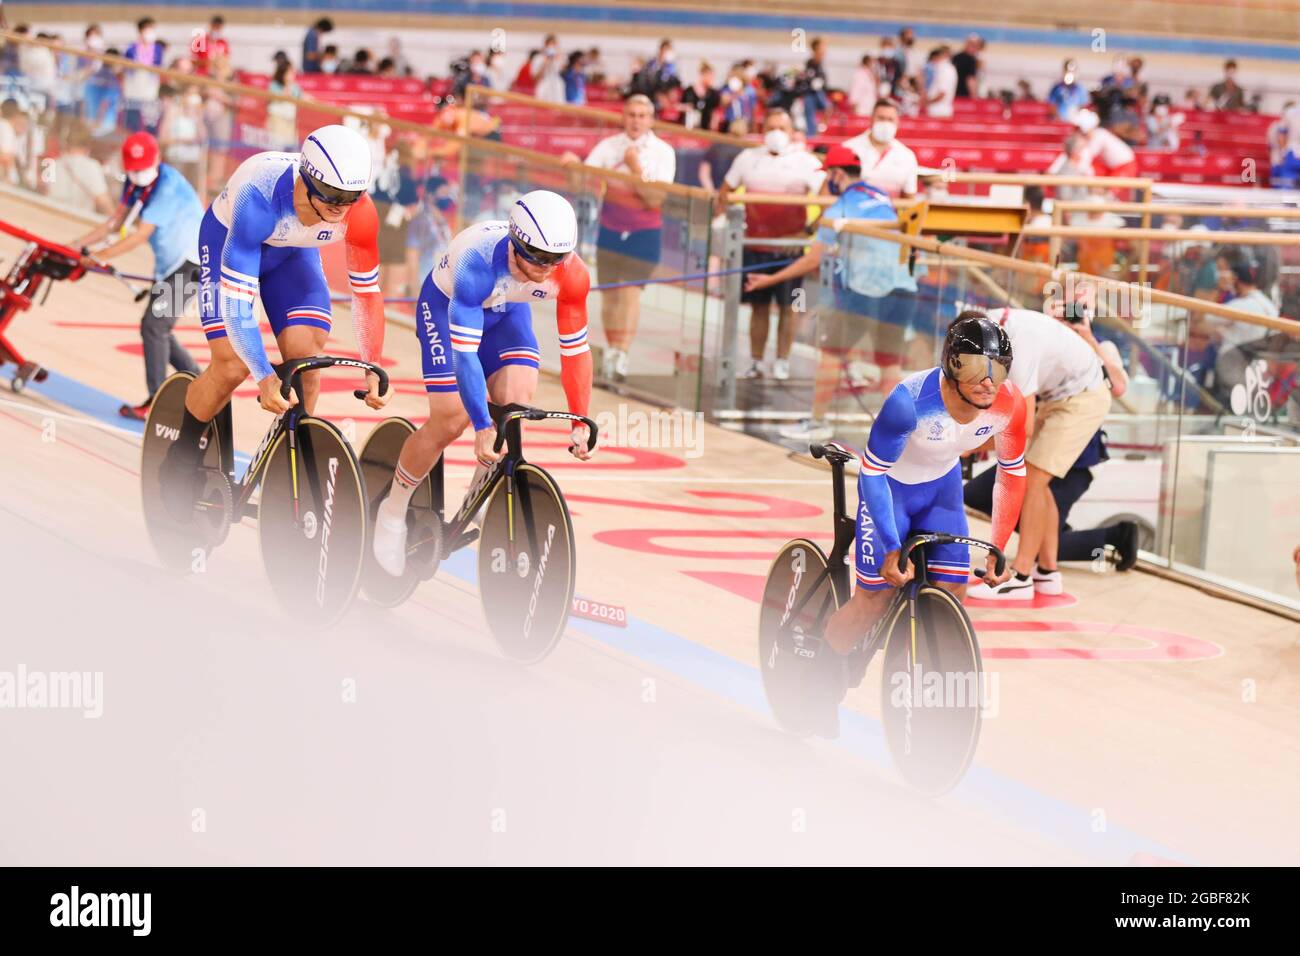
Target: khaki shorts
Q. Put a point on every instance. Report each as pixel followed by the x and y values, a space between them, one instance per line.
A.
pixel 1062 429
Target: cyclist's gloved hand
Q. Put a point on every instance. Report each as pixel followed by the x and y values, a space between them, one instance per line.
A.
pixel 270 398
pixel 484 440
pixel 578 443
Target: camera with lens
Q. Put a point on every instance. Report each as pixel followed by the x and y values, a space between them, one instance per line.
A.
pixel 1076 313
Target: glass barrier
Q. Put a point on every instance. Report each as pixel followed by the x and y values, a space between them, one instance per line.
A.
pixel 427 187
pixel 1204 443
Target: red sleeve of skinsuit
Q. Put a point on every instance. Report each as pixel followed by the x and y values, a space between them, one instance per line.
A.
pixel 1009 491
pixel 571 322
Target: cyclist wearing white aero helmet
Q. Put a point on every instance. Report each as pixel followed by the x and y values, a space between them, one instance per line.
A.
pixel 476 340
pixel 261 237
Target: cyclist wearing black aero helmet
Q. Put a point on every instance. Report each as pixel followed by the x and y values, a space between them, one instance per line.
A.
pixel 910 478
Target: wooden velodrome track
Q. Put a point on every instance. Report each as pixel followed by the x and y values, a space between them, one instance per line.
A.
pixel 1138 721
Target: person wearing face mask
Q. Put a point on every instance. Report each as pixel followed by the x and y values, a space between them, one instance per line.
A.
pixel 209 44
pixel 775 168
pixel 887 164
pixel 1162 125
pixel 864 92
pixel 739 99
pixel 630 241
pixel 160 207
pixel 329 60
pixel 545 68
pixel 1226 94
pixel 1068 96
pixel 312 54
pixel 140 88
pixel 874 293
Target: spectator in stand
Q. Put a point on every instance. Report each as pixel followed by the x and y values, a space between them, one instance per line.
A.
pixel 282 115
pixel 1126 123
pixel 631 223
pixel 739 99
pixel 9 52
pixel 1284 147
pixel 1194 101
pixel 471 70
pixel 664 66
pixel 1139 86
pixel 397 199
pixel 21 144
pixel 941 88
pixel 776 167
pixel 1239 342
pixel 545 67
pixel 41 73
pixel 219 119
pixel 1226 94
pixel 181 133
pixel 140 87
pixel 719 157
pixel 103 93
pixel 430 230
pixel 1162 125
pixel 1025 92
pixel 1072 161
pixel 1107 153
pixel 967 64
pixel 312 53
pixel 496 70
pixel 79 181
pixel 575 80
pixel 1068 96
pixel 362 63
pixel 596 73
pixel 401 65
pixel 524 81
pixel 210 42
pixel 386 68
pixel 12 119
pixel 329 60
pixel 886 164
pixel 813 84
pixel 911 60
pixel 701 99
pixel 865 88
pixel 886 65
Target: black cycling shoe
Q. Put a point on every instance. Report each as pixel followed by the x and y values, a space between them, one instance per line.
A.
pixel 1127 546
pixel 180 480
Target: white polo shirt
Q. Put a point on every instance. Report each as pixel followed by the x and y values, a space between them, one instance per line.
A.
pixel 945 82
pixel 1048 359
pixel 892 169
pixel 620 211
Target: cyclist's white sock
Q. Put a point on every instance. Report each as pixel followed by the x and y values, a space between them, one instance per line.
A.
pixel 399 493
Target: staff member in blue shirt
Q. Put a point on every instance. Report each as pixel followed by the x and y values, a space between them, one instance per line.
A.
pixel 873 290
pixel 161 208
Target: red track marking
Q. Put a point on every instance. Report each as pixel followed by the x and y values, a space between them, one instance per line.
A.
pixel 772 507
pixel 72 444
pixel 643 541
pixel 1161 645
pixel 1038 602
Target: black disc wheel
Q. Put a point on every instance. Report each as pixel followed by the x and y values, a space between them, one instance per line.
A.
pixel 182 545
pixel 932 691
pixel 312 522
pixel 526 564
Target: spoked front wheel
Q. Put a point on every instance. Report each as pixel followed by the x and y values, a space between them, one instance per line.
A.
pixel 931 690
pixel 313 552
pixel 526 564
pixel 798 598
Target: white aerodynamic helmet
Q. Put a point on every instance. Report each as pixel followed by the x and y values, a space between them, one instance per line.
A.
pixel 543 228
pixel 335 165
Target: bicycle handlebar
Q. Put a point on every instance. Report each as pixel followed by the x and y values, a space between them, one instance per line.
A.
pixel 291 370
pixel 538 414
pixel 919 540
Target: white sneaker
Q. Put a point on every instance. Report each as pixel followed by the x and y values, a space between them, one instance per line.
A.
pixel 1015 588
pixel 609 364
pixel 1048 583
pixel 755 370
pixel 863 374
pixel 620 364
pixel 781 369
pixel 390 541
pixel 808 430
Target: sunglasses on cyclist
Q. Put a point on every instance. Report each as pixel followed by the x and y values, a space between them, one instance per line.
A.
pixel 973 369
pixel 331 195
pixel 538 257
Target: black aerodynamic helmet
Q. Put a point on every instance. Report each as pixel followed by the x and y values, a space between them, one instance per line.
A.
pixel 976 348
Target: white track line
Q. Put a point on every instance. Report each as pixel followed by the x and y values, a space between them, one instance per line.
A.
pixel 78 419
